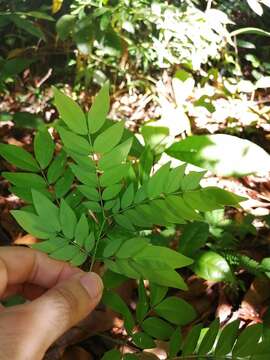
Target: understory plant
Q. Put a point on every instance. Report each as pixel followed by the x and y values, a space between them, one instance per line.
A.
pixel 97 196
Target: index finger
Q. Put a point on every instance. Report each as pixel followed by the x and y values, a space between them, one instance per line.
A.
pixel 22 265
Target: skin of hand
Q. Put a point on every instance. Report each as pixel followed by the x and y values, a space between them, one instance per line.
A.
pixel 60 296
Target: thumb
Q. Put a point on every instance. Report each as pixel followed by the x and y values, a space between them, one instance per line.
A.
pixel 33 327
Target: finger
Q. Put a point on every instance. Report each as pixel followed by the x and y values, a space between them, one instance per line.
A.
pixel 20 265
pixel 36 325
pixel 28 291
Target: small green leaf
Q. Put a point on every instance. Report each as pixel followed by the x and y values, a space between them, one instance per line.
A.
pixel 50 245
pixel 93 206
pixel 145 164
pixel 89 243
pixel 70 113
pixel 175 343
pixel 68 219
pixel 18 157
pixel 56 168
pixel 84 176
pixel 132 247
pixel 156 184
pixel 30 223
pixel 89 192
pixel 142 305
pixel 67 252
pixel 99 110
pixel 124 222
pixel 46 210
pixel 191 340
pixel 116 156
pixel 111 191
pixel 115 302
pixel 157 328
pixel 27 180
pixel 247 341
pixel 179 206
pixel 107 140
pixel 43 148
pixel 127 197
pixel 76 143
pixel 174 179
pixel 209 338
pixel 192 180
pixel 112 355
pixel 193 237
pixel 82 230
pixel 166 255
pixel 176 310
pixel 112 247
pixel 157 294
pixel 63 184
pixel 79 259
pixel 227 339
pixel 114 175
pixel 143 341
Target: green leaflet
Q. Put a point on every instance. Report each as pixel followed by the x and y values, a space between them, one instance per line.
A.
pixel 176 310
pixel 114 175
pixel 47 211
pixel 131 247
pixel 157 328
pixel 107 140
pixel 25 180
pixel 89 242
pixel 70 113
pixel 56 168
pixel 193 237
pixel 165 255
pixel 145 164
pixel 68 219
pixel 227 339
pixel 64 183
pixel 66 253
pixel 84 176
pixel 89 192
pixel 43 148
pixel 247 341
pixel 175 177
pixel 31 223
pixel 116 156
pixel 111 191
pixel 209 338
pixel 175 343
pixel 178 205
pixel 76 143
pixel 192 180
pixel 99 110
pixel 127 197
pixel 82 230
pixel 157 293
pixel 18 157
pixel 79 259
pixel 191 340
pixel 143 341
pixel 142 306
pixel 156 184
pixel 50 245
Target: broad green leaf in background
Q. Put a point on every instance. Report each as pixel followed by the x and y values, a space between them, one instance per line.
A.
pixel 28 26
pixel 43 148
pixel 18 157
pixel 208 151
pixel 99 110
pixel 65 25
pixel 193 237
pixel 209 265
pixel 70 113
pixel 176 310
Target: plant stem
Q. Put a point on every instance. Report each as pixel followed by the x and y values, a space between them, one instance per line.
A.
pixel 96 245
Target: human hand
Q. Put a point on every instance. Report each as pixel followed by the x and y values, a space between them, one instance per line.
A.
pixel 62 296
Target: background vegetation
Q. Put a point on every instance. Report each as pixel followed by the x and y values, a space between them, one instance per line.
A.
pixel 189 81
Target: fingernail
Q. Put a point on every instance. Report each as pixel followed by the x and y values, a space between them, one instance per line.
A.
pixel 92 284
